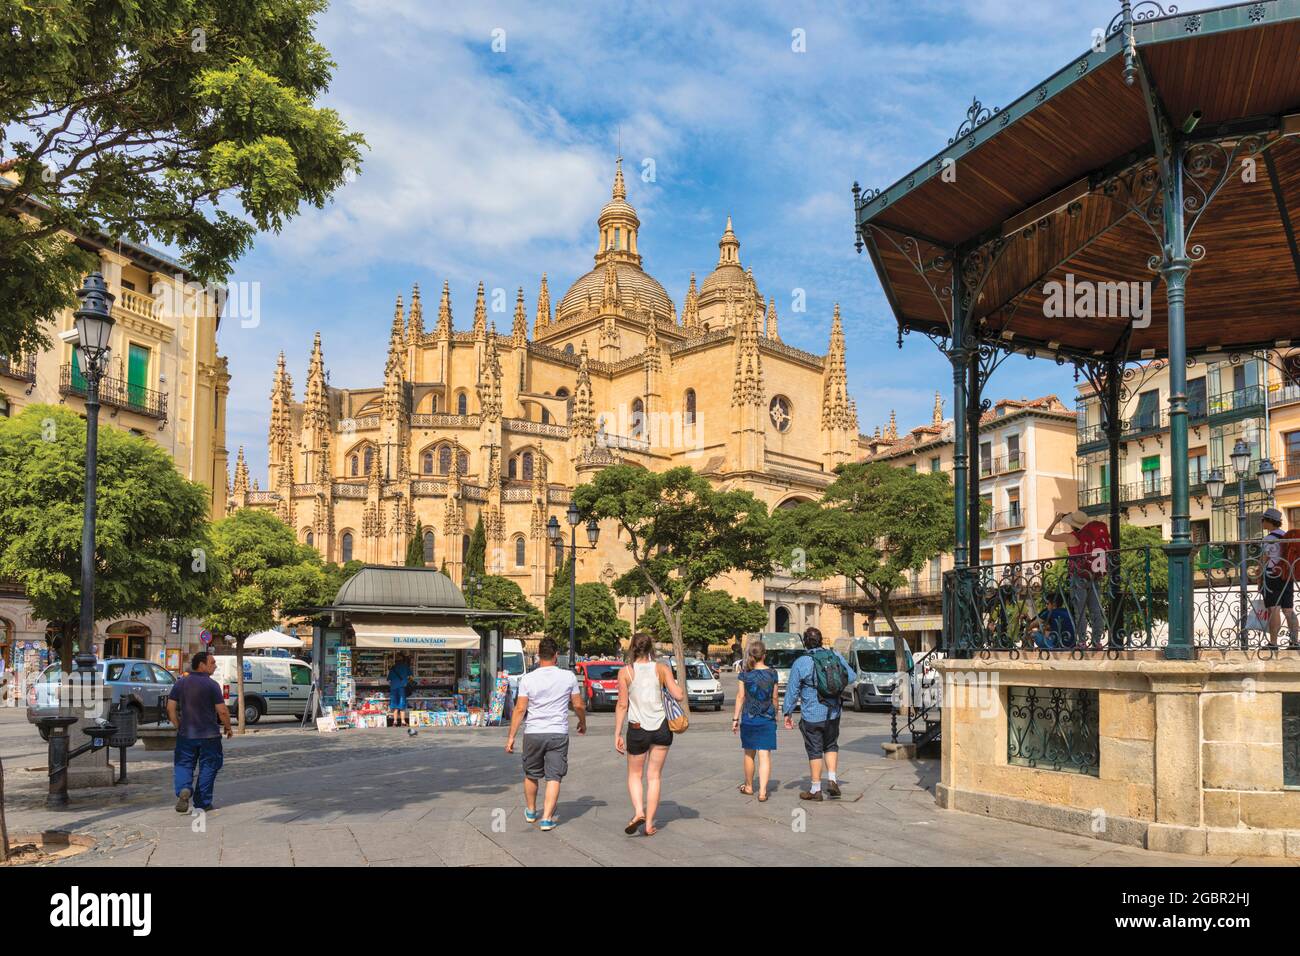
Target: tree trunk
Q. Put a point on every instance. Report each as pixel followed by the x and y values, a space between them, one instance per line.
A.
pixel 679 647
pixel 900 656
pixel 239 669
pixel 65 646
pixel 4 829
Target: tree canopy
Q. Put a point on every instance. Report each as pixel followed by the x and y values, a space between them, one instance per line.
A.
pixel 498 593
pixel 139 120
pixel 597 628
pixel 151 543
pixel 873 523
pixel 709 617
pixel 681 533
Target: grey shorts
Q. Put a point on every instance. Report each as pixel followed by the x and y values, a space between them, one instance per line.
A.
pixel 546 755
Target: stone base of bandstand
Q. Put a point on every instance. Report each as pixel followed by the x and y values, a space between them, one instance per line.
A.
pixel 1190 752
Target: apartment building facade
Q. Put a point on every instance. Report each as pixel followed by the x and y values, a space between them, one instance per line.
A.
pixel 1026 478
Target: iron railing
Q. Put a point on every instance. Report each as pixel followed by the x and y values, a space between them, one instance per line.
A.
pixel 117 393
pixel 1236 582
pixel 22 368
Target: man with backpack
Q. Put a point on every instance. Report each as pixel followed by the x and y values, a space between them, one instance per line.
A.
pixel 1088 542
pixel 816 681
pixel 1280 555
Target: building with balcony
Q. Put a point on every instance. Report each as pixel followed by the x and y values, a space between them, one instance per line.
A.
pixel 1249 397
pixel 165 381
pixel 1026 453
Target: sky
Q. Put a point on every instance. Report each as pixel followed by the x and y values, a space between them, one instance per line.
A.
pixel 492 130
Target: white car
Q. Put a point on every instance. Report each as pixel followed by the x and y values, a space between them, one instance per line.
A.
pixel 702 688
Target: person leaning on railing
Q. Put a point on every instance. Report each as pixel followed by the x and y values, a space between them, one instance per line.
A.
pixel 1278 552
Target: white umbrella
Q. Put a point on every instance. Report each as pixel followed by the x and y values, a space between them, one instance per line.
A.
pixel 265 639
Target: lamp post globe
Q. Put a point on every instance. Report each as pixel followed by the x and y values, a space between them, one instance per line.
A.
pixel 1267 475
pixel 93 320
pixel 593 531
pixel 1214 485
pixel 572 515
pixel 1240 457
pixel 553 529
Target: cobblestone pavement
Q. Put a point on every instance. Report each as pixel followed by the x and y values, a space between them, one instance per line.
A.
pixel 453 797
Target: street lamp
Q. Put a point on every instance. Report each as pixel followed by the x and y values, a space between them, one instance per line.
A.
pixel 1215 485
pixel 593 535
pixel 94 324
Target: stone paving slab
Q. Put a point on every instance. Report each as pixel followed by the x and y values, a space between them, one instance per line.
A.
pixel 453 797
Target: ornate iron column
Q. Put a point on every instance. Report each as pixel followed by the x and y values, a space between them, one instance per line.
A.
pixel 974 391
pixel 959 353
pixel 1114 430
pixel 1173 270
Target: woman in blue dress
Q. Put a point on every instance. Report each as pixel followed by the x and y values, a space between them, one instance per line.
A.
pixel 755 718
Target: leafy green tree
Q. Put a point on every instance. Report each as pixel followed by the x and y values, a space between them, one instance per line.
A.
pixel 710 617
pixel 597 628
pixel 335 575
pixel 415 547
pixel 498 593
pixel 138 119
pixel 873 524
pixel 681 533
pixel 151 541
pixel 261 572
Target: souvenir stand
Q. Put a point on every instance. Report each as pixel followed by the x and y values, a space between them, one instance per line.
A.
pixel 382 614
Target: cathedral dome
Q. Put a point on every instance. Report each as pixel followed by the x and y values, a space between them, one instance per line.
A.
pixel 632 282
pixel 729 274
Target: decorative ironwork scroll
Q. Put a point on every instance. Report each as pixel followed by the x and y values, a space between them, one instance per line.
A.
pixel 1054 728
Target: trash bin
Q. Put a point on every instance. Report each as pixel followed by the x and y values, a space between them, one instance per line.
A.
pixel 125 734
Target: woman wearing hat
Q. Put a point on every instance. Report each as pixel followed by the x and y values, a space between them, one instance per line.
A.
pixel 1087 541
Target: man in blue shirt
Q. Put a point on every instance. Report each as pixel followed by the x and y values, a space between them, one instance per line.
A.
pixel 197 709
pixel 819 721
pixel 398 677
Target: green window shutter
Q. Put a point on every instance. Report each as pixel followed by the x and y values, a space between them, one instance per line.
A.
pixel 137 374
pixel 1151 464
pixel 78 380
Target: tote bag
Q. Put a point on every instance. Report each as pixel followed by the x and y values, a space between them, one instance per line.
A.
pixel 673 713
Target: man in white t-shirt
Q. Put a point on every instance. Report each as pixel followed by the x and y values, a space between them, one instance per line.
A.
pixel 542 705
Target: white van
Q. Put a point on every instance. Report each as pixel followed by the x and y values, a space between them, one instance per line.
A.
pixel 783 649
pixel 877 684
pixel 512 662
pixel 272 685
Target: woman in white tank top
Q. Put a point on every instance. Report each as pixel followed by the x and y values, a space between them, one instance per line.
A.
pixel 641 686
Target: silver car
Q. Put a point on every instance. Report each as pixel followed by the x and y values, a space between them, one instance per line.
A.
pixel 142 685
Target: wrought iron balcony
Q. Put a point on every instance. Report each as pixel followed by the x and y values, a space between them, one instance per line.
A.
pixel 1147 423
pixel 1286 395
pixel 1001 465
pixel 1289 469
pixel 19 367
pixel 117 393
pixel 1005 520
pixel 1236 404
pixel 1112 601
pixel 852 597
pixel 1097 500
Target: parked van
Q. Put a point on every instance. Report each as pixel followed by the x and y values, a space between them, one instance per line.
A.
pixel 783 649
pixel 877 684
pixel 512 662
pixel 272 685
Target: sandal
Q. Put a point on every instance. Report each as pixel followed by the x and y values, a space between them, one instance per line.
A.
pixel 762 798
pixel 651 831
pixel 635 825
pixel 746 789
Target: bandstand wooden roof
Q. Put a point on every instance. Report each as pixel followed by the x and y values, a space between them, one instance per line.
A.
pixel 1064 181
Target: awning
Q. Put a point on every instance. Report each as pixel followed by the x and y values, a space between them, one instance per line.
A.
pixel 447 637
pixel 264 639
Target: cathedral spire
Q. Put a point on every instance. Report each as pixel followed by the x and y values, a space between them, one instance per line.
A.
pixel 316 396
pixel 519 334
pixel 489 385
pixel 620 188
pixel 610 297
pixel 240 487
pixel 691 311
pixel 444 312
pixel 747 376
pixel 480 313
pixel 938 409
pixel 415 328
pixel 835 389
pixel 582 421
pixel 543 320
pixel 772 332
pixel 728 247
pixel 398 334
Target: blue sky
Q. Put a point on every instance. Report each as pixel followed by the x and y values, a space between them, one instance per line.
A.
pixel 492 165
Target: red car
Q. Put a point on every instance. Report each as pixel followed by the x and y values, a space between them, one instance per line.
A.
pixel 598 681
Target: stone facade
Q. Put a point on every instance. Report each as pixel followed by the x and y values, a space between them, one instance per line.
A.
pixel 503 425
pixel 1190 754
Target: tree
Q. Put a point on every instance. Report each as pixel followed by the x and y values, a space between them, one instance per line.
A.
pixel 710 617
pixel 151 543
pixel 138 119
pixel 873 523
pixel 498 593
pixel 597 628
pixel 335 575
pixel 415 547
pixel 475 557
pixel 261 571
pixel 681 534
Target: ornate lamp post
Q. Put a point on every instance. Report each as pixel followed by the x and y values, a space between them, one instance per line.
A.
pixel 593 535
pixel 1215 486
pixel 94 324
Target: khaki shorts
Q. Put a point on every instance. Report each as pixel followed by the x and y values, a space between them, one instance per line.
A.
pixel 546 756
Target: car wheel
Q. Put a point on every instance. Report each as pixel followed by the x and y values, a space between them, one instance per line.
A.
pixel 252 712
pixel 717 707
